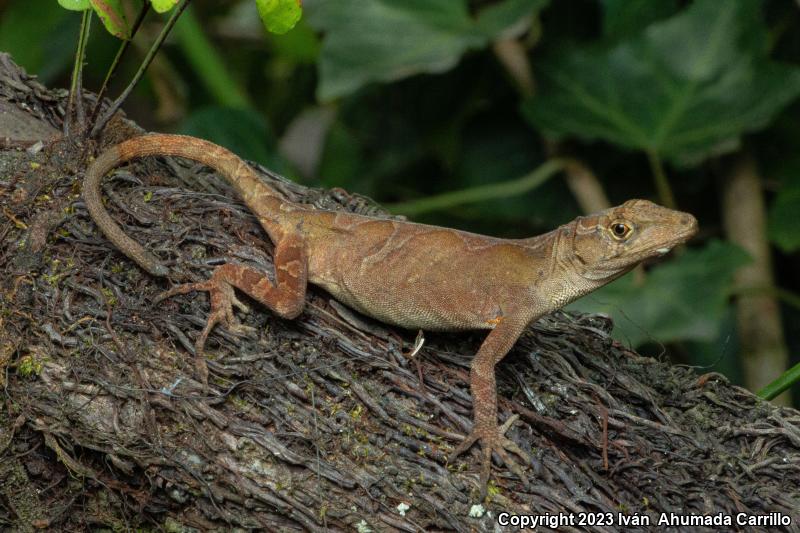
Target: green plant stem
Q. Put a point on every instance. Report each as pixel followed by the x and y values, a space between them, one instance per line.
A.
pixel 208 65
pixel 75 100
pixel 481 193
pixel 784 381
pixel 151 53
pixel 791 376
pixel 582 182
pixel 115 64
pixel 665 195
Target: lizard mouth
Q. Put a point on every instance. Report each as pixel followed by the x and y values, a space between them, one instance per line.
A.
pixel 680 238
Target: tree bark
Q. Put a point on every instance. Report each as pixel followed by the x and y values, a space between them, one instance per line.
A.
pixel 321 423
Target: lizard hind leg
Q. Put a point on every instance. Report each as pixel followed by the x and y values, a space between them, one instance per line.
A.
pixel 286 297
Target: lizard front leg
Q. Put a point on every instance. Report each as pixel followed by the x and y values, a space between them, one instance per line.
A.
pixel 484 402
pixel 285 298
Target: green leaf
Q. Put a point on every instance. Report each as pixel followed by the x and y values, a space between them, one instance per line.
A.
pixel 683 89
pixel 279 16
pixel 22 26
pixel 301 45
pixel 784 215
pixel 625 18
pixel 74 5
pixel 783 382
pixel 779 163
pixel 386 40
pixel 681 300
pixel 207 63
pixel 113 17
pixel 508 18
pixel 162 6
pixel 500 152
pixel 239 130
pixel 342 160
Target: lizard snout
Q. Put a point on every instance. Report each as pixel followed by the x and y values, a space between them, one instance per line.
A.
pixel 689 223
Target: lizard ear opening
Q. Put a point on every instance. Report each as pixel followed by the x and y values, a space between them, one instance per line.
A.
pixel 620 230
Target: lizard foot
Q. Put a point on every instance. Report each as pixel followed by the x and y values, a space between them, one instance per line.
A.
pixel 223 299
pixel 493 439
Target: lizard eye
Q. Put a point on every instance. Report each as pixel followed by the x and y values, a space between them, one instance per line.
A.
pixel 620 230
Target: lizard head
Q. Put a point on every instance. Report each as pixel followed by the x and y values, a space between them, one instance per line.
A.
pixel 612 242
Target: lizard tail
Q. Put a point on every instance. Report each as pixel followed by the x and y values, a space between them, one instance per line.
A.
pixel 250 187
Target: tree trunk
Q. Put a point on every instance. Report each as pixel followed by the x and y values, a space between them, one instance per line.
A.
pixel 321 423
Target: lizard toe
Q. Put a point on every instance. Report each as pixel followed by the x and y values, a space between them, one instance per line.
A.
pixel 499 446
pixel 492 439
pixel 223 299
pixel 244 308
pixel 183 288
pixel 509 446
pixel 465 445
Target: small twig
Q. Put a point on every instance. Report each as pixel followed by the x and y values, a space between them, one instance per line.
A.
pixel 604 424
pixel 514 58
pixel 75 101
pixel 114 107
pixel 582 182
pixel 419 342
pixel 117 59
pixel 318 457
pixel 665 195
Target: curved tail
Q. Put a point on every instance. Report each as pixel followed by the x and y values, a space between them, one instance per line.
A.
pixel 253 190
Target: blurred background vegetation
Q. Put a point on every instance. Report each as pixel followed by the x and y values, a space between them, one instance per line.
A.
pixel 510 117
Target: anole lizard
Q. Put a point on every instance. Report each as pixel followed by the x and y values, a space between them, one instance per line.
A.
pixel 410 275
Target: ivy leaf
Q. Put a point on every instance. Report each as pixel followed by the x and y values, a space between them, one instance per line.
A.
pixel 386 40
pixel 74 5
pixel 279 16
pixel 683 88
pixel 684 299
pixel 21 26
pixel 783 228
pixel 624 18
pixel 162 6
pixel 113 17
pixel 508 18
pixel 243 132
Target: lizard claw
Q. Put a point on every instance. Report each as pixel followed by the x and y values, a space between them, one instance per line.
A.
pixel 493 439
pixel 223 299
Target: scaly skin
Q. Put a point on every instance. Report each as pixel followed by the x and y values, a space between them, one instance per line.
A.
pixel 411 275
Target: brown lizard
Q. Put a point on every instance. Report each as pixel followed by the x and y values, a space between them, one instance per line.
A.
pixel 410 275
